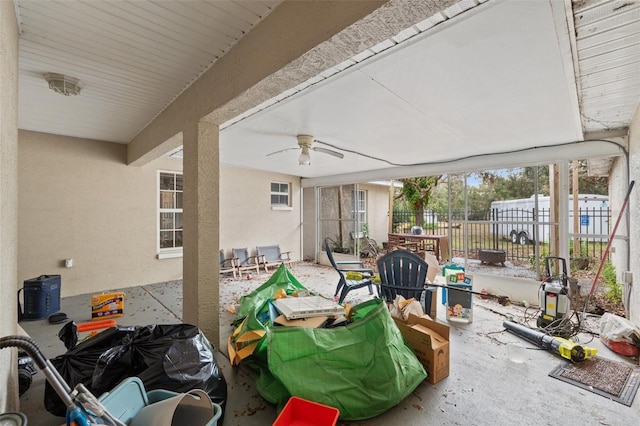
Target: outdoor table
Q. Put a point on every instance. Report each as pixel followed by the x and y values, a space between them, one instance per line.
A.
pixel 440 243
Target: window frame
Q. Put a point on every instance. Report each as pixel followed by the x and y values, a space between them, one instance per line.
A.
pixel 360 209
pixel 280 206
pixel 174 251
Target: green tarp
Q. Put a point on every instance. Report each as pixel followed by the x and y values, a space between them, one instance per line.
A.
pixel 363 369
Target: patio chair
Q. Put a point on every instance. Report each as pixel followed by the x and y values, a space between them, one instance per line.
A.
pixel 272 256
pixel 227 265
pixel 401 273
pixel 245 262
pixel 345 285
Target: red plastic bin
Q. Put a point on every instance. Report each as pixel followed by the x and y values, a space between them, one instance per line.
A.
pixel 300 412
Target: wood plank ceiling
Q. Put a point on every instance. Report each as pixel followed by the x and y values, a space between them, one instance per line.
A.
pixel 133 58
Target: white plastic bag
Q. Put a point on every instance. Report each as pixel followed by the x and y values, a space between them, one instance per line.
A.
pixel 620 335
pixel 402 308
pixel 617 328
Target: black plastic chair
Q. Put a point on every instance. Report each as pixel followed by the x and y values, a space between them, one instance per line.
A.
pixel 401 273
pixel 346 285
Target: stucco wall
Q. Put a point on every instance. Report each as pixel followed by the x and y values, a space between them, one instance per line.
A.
pixel 8 197
pixel 78 199
pixel 634 224
pixel 618 185
pixel 246 216
pixel 377 211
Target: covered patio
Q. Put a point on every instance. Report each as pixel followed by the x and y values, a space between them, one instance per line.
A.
pixel 393 88
pixel 485 385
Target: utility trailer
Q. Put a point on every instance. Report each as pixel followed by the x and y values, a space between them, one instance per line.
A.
pixel 508 215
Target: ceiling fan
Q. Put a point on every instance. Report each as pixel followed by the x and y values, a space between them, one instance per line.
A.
pixel 305 143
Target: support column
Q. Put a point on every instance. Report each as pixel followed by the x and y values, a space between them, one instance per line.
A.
pixel 563 206
pixel 201 283
pixel 8 201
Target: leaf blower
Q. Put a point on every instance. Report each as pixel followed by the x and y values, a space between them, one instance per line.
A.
pixel 565 348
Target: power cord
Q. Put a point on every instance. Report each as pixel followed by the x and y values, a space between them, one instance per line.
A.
pixel 567 327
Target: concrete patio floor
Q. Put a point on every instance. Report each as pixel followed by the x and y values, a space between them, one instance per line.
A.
pixel 485 387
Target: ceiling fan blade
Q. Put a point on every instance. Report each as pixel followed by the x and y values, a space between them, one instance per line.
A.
pixel 328 151
pixel 282 150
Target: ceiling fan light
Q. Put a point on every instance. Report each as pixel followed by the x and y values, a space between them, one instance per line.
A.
pixel 305 158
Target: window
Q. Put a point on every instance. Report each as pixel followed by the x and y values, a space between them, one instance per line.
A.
pixel 279 194
pixel 170 211
pixel 360 208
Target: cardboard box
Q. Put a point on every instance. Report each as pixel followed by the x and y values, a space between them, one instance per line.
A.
pixel 430 342
pixel 107 305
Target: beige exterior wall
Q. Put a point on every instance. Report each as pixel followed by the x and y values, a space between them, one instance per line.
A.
pixel 246 216
pixel 377 211
pixel 78 199
pixel 634 225
pixel 377 219
pixel 8 199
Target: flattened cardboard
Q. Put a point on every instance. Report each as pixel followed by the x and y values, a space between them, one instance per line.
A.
pixel 430 343
pixel 431 301
pixel 312 322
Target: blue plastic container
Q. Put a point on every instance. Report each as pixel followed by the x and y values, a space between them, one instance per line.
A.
pixel 41 297
pixel 129 397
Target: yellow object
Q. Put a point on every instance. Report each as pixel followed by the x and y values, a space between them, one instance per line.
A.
pixel 242 344
pixel 572 351
pixel 107 305
pixel 280 294
pixel 376 279
pixel 354 276
pixel 348 311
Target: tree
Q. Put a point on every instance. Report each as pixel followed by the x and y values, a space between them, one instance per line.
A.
pixel 417 193
pixel 591 184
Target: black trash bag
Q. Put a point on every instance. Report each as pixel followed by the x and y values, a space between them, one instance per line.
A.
pixel 69 334
pixel 176 357
pixel 78 363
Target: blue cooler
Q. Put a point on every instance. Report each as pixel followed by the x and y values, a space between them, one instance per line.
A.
pixel 41 297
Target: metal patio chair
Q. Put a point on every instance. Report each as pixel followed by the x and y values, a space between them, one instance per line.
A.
pixel 244 261
pixel 227 265
pixel 271 256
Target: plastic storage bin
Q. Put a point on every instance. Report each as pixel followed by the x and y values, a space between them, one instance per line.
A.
pixel 301 412
pixel 41 297
pixel 13 418
pixel 129 397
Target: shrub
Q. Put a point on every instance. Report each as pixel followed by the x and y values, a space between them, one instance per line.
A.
pixel 613 289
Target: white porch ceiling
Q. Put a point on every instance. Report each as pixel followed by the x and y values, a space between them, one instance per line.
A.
pixel 133 58
pixel 487 78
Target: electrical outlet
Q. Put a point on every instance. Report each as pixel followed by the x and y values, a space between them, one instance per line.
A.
pixel 68 263
pixel 627 277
